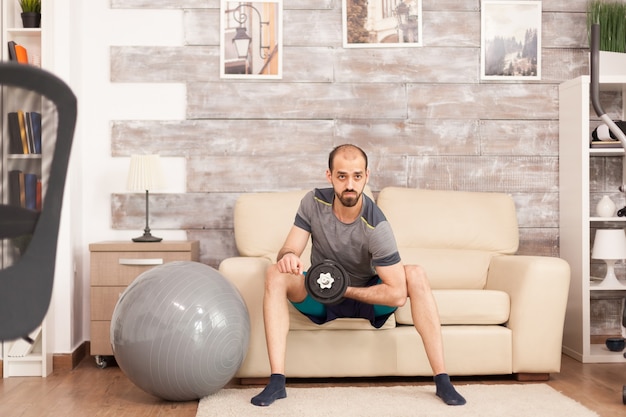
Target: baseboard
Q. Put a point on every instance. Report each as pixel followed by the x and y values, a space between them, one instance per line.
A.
pixel 62 362
pixel 254 381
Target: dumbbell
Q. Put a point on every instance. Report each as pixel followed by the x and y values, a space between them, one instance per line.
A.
pixel 326 282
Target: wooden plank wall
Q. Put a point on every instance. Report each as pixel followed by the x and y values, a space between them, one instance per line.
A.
pixel 422 114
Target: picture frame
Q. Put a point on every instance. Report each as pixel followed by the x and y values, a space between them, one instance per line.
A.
pixel 510 40
pixel 382 23
pixel 251 39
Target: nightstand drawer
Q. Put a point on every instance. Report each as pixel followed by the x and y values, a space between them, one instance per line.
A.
pixel 103 301
pixel 121 268
pixel 114 265
pixel 101 338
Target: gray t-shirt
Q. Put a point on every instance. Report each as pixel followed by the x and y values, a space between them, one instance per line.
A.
pixel 358 247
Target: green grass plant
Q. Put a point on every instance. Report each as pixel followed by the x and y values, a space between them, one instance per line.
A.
pixel 30 6
pixel 611 16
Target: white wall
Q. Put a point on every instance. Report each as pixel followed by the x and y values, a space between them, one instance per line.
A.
pixel 82 39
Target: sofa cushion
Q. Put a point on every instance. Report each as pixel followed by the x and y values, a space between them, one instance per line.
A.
pixel 299 321
pixel 451 219
pixel 263 220
pixel 463 307
pixel 452 234
pixel 450 268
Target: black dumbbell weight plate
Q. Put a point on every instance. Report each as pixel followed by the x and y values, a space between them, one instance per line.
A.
pixel 326 282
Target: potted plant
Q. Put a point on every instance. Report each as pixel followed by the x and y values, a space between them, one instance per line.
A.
pixel 31 13
pixel 611 16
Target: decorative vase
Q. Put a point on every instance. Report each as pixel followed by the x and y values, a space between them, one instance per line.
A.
pixel 31 20
pixel 605 207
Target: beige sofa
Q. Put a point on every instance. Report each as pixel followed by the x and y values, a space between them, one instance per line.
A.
pixel 501 313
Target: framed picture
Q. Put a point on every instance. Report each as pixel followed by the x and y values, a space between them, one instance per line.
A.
pixel 382 23
pixel 510 40
pixel 251 44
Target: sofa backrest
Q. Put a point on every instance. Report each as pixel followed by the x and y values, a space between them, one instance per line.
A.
pixel 263 220
pixel 452 234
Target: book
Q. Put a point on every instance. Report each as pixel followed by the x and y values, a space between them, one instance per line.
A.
pixel 22 123
pixel 30 191
pixel 36 128
pixel 15 137
pixel 29 132
pixel 38 201
pixel 606 144
pixel 21 54
pixel 12 55
pixel 17 194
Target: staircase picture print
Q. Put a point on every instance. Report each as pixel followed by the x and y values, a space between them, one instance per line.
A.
pixel 382 23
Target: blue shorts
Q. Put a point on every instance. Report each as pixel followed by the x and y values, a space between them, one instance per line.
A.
pixel 321 313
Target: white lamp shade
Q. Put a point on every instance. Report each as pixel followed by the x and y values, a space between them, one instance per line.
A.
pixel 609 244
pixel 145 173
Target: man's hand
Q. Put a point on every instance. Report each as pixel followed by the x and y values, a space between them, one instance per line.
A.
pixel 288 258
pixel 290 263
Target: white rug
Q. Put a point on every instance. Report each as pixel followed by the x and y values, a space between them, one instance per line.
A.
pixel 510 400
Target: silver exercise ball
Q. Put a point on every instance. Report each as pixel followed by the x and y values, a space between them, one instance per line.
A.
pixel 180 331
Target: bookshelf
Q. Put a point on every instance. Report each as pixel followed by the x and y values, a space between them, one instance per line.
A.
pixel 12 30
pixel 579 193
pixel 21 166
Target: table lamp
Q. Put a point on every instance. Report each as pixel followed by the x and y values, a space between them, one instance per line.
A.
pixel 144 175
pixel 609 245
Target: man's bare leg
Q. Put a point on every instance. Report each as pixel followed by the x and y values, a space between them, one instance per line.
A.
pixel 279 288
pixel 426 320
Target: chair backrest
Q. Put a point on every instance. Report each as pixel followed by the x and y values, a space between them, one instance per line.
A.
pixel 26 285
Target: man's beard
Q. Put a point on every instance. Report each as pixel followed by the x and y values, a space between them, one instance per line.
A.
pixel 349 201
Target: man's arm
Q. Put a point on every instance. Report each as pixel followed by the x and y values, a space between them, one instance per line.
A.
pixel 288 259
pixel 391 292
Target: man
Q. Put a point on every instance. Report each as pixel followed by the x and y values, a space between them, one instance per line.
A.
pixel 346 226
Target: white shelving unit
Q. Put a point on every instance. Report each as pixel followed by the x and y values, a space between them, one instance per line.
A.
pixel 12 30
pixel 36 360
pixel 577 206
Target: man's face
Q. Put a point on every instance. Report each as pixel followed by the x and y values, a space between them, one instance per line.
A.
pixel 349 177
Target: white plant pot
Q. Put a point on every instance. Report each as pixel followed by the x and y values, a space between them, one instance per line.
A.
pixel 611 64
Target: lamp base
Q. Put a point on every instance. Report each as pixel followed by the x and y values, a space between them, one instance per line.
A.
pixel 610 281
pixel 147 237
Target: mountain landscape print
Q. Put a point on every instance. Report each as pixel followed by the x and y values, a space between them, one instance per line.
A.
pixel 511 40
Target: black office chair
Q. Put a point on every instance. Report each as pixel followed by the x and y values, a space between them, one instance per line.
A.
pixel 26 285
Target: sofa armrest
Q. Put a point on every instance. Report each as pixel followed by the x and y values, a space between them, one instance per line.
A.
pixel 248 276
pixel 538 287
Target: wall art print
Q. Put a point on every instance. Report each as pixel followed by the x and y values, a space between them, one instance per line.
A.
pixel 510 40
pixel 382 23
pixel 251 45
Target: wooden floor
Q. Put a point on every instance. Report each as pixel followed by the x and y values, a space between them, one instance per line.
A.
pixel 94 392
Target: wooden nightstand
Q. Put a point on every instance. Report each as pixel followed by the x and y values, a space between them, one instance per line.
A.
pixel 114 265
